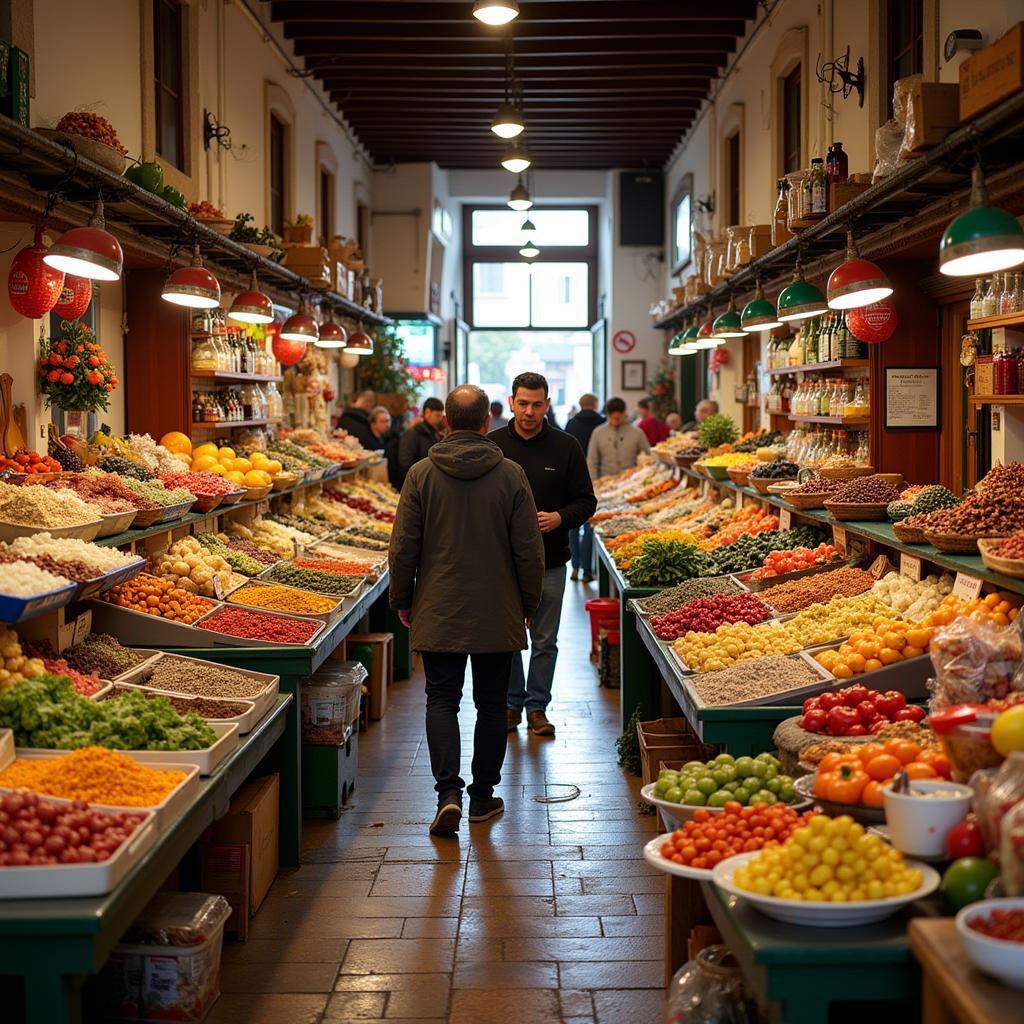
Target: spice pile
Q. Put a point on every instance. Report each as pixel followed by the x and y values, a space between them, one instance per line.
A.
pixel 865 490
pixel 706 614
pixel 184 675
pixel 994 509
pixel 206 484
pixel 282 599
pixel 23 579
pixel 102 655
pixel 819 588
pixel 749 680
pixel 259 626
pixel 156 492
pixel 154 596
pixel 70 549
pixel 683 593
pixel 246 547
pixel 103 490
pixel 95 775
pixel 311 579
pixel 40 507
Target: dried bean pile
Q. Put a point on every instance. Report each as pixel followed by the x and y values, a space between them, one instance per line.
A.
pixel 311 579
pixel 685 592
pixel 623 524
pixel 864 489
pixel 818 485
pixel 101 654
pixel 154 490
pixel 183 675
pixel 818 589
pixel 748 680
pixel 246 547
pixel 201 706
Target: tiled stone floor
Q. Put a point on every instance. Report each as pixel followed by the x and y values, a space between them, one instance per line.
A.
pixel 547 913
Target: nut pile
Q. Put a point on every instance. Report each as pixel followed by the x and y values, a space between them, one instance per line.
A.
pixel 864 489
pixel 749 680
pixel 818 485
pixel 41 507
pixel 994 512
pixel 155 491
pixel 70 549
pixel 184 675
pixel 101 654
pixel 817 589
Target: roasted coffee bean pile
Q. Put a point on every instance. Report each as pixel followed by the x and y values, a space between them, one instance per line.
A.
pixel 864 489
pixel 818 485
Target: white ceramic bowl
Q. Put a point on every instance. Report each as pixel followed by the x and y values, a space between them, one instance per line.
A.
pixel 676 815
pixel 998 957
pixel 918 824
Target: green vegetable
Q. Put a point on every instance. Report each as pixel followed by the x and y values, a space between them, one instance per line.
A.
pixel 665 563
pixel 238 560
pixel 717 429
pixel 748 552
pixel 46 712
pixel 311 579
pixel 627 746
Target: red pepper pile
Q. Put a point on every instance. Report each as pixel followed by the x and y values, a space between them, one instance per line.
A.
pixel 706 614
pixel 30 462
pixel 856 711
pixel 199 483
pixel 259 626
pixel 361 504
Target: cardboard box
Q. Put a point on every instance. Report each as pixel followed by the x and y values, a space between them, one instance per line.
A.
pixel 381 666
pixel 240 851
pixel 984 376
pixel 934 111
pixel 992 74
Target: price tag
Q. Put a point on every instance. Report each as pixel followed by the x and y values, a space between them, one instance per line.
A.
pixel 880 567
pixel 741 499
pixel 218 588
pixel 83 624
pixel 839 538
pixel 706 493
pixel 785 519
pixel 910 566
pixel 966 587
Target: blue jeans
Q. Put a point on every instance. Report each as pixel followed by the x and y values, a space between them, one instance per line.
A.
pixel 581 548
pixel 534 694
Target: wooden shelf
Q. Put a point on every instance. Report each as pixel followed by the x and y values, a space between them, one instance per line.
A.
pixel 976 400
pixel 837 421
pixel 988 322
pixel 226 376
pixel 835 364
pixel 228 424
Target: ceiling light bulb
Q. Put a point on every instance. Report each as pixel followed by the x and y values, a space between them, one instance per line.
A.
pixel 516 159
pixel 508 122
pixel 983 240
pixel 519 197
pixel 91 252
pixel 495 12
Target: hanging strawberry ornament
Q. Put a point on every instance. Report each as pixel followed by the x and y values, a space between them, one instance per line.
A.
pixel 33 287
pixel 74 298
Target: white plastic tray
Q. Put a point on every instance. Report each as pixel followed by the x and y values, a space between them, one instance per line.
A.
pixel 84 531
pixel 117 522
pixel 203 634
pixel 135 629
pixel 352 595
pixel 246 719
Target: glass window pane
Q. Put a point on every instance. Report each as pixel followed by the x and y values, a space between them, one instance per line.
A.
pixel 554 227
pixel 169 128
pixel 501 294
pixel 682 231
pixel 560 294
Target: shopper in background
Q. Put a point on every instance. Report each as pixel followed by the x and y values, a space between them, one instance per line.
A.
pixel 616 445
pixel 705 407
pixel 674 422
pixel 651 424
pixel 355 419
pixel 564 497
pixel 421 436
pixel 497 419
pixel 380 428
pixel 581 541
pixel 467 572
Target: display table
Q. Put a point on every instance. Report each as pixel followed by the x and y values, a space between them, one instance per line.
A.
pixel 54 944
pixel 952 989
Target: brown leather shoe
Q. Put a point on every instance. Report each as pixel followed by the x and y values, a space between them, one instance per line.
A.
pixel 512 719
pixel 538 724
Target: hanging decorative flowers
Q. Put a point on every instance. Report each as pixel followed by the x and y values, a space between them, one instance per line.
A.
pixel 74 372
pixel 74 298
pixel 719 357
pixel 33 288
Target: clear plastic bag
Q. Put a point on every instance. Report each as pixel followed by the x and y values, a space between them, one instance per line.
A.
pixel 710 990
pixel 330 702
pixel 975 662
pixel 1003 793
pixel 179 919
pixel 1011 851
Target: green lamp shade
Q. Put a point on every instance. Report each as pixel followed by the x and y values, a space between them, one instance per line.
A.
pixel 800 301
pixel 759 315
pixel 728 325
pixel 983 240
pixel 690 334
pixel 679 346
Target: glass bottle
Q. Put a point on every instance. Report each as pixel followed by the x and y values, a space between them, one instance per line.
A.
pixel 837 166
pixel 795 354
pixel 838 400
pixel 811 342
pixel 990 304
pixel 780 230
pixel 1018 294
pixel 819 188
pixel 1006 296
pixel 978 300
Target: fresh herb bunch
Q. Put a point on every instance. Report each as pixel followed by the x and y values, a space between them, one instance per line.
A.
pixel 74 372
pixel 717 429
pixel 627 746
pixel 665 563
pixel 244 231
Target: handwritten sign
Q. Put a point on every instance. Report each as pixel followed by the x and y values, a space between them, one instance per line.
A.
pixel 966 587
pixel 910 566
pixel 218 588
pixel 83 624
pixel 785 519
pixel 839 538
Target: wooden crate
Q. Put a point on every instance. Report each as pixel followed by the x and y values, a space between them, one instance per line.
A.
pixel 841 192
pixel 381 668
pixel 990 75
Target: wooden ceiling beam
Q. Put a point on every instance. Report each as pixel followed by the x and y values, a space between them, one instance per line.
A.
pixel 526 32
pixel 537 64
pixel 714 50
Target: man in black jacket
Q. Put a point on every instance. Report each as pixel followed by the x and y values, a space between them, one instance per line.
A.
pixel 564 496
pixel 417 441
pixel 581 541
pixel 356 420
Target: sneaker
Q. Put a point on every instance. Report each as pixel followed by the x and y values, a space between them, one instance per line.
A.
pixel 483 810
pixel 449 814
pixel 512 719
pixel 539 724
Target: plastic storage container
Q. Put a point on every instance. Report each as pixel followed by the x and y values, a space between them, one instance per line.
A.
pixel 330 702
pixel 168 966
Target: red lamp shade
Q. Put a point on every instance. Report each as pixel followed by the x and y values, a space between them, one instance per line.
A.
pixel 300 327
pixel 91 252
pixel 32 286
pixel 286 351
pixel 193 286
pixel 332 335
pixel 359 343
pixel 74 298
pixel 705 329
pixel 253 306
pixel 873 324
pixel 856 282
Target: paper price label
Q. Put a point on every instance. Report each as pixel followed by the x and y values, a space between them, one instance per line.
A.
pixel 785 519
pixel 966 587
pixel 218 588
pixel 910 566
pixel 707 489
pixel 83 625
pixel 839 538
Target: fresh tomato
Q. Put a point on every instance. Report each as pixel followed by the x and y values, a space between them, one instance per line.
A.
pixel 964 840
pixel 814 720
pixel 873 794
pixel 911 713
pixel 829 700
pixel 867 711
pixel 854 695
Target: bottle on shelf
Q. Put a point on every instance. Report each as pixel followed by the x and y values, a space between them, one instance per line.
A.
pixel 1005 292
pixel 837 165
pixel 817 183
pixel 990 304
pixel 795 352
pixel 978 300
pixel 810 330
pixel 780 229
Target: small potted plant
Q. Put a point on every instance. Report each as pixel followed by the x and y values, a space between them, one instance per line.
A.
pixel 300 232
pixel 263 243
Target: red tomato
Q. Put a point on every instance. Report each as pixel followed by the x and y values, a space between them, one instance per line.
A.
pixel 964 840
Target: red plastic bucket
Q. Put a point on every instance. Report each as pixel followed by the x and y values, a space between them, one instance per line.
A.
pixel 603 611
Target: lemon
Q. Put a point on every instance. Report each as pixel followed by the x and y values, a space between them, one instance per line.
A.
pixel 235 477
pixel 257 478
pixel 226 453
pixel 217 469
pixel 242 465
pixel 1008 731
pixel 209 448
pixel 203 463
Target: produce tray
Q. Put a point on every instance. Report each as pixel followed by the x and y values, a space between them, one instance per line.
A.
pixel 352 596
pixel 137 629
pixel 639 610
pixel 246 718
pixel 909 676
pixel 804 785
pixel 117 522
pixel 109 580
pixel 686 670
pixel 263 701
pixel 164 514
pixel 84 531
pixel 15 609
pixel 207 502
pixel 202 633
pixel 57 881
pixel 207 761
pixel 237 597
pixel 757 586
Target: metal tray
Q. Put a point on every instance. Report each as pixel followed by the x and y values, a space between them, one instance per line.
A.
pixel 203 634
pixel 909 676
pixel 15 609
pixel 237 597
pixel 352 595
pixel 109 580
pixel 136 629
pixel 84 531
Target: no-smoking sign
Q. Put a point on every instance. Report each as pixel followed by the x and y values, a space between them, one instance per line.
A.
pixel 624 342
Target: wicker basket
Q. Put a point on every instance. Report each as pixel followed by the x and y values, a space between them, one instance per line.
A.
pixel 1007 566
pixel 845 472
pixel 863 510
pixel 686 461
pixel 954 543
pixel 896 479
pixel 806 500
pixel 909 534
pixel 761 484
pixel 739 476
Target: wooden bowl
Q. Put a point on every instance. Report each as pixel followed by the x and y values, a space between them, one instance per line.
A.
pixel 1007 566
pixel 98 152
pixel 686 461
pixel 258 493
pixel 739 476
pixel 852 511
pixel 761 484
pixel 845 472
pixel 805 501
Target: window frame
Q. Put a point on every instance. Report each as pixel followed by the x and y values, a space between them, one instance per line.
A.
pixel 280 164
pixel 161 91
pixel 472 254
pixel 791 53
pixel 791 121
pixel 684 191
pixel 915 45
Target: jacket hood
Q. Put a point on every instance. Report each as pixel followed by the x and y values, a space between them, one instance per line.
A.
pixel 465 455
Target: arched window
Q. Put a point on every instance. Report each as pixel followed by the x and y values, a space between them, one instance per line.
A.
pixel 280 118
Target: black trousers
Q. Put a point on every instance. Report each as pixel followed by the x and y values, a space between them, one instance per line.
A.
pixel 446 674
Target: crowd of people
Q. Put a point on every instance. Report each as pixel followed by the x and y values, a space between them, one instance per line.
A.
pixel 515 494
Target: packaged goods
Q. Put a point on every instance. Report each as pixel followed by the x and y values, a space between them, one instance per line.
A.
pixel 997 799
pixel 975 662
pixel 330 702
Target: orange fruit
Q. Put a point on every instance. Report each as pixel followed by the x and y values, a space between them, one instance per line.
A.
pixel 842 671
pixel 888 656
pixel 242 465
pixel 872 665
pixel 235 477
pixel 912 652
pixel 203 463
pixel 226 453
pixel 919 770
pixel 209 448
pixel 176 441
pixel 856 661
pixel 256 478
pixel 882 767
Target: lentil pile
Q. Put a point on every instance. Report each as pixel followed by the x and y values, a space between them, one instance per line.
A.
pixel 282 599
pixel 101 654
pixel 260 626
pixel 204 707
pixel 199 483
pixel 96 775
pixel 864 489
pixel 748 680
pixel 246 547
pixel 39 506
pixel 310 579
pixel 685 592
pixel 623 524
pixel 818 589
pixel 183 675
pixel 71 549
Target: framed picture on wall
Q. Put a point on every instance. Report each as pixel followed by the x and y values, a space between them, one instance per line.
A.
pixel 634 374
pixel 682 225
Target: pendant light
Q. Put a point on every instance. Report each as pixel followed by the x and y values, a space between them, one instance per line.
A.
pixel 679 346
pixel 728 324
pixel 706 334
pixel 529 250
pixel 253 306
pixel 856 282
pixel 759 314
pixel 982 240
pixel 516 159
pixel 528 226
pixel 495 12
pixel 519 197
pixel 91 252
pixel 332 334
pixel 193 286
pixel 507 122
pixel 800 300
pixel 300 326
pixel 359 344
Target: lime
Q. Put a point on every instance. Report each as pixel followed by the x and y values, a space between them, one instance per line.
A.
pixel 744 767
pixel 706 785
pixel 719 798
pixel 674 795
pixel 695 797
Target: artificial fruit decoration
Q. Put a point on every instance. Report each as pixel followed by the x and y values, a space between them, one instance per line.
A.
pixel 74 297
pixel 33 287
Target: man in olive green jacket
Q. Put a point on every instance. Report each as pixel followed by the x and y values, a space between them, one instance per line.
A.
pixel 467 572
